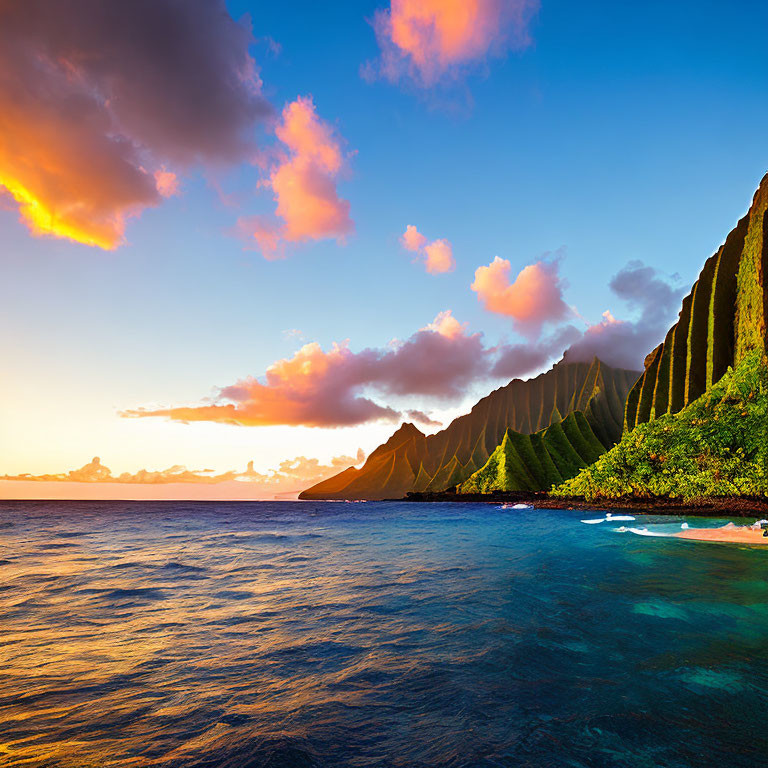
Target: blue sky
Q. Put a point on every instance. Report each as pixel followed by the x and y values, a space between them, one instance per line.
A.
pixel 625 131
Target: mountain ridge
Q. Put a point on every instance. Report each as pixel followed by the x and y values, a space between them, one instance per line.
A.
pixel 426 463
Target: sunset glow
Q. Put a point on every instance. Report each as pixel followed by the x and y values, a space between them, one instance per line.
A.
pixel 242 242
pixel 384 383
pixel 44 219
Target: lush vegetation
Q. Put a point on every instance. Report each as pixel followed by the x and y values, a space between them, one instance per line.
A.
pixel 750 308
pixel 715 446
pixel 537 462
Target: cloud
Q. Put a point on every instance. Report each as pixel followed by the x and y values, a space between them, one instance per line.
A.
pixel 266 232
pixel 422 418
pixel 534 299
pixel 167 182
pixel 446 325
pixel 426 41
pixel 95 472
pixel 290 475
pixel 438 255
pixel 304 185
pixel 626 343
pixel 442 361
pixel 98 100
pixel 300 472
pixel 339 387
pixel 412 239
pixel 515 360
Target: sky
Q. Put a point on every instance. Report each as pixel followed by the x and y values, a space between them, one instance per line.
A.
pixel 265 232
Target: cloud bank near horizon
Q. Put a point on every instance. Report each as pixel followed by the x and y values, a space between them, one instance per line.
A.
pixel 290 475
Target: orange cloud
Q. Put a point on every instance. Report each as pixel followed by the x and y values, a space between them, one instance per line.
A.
pixel 442 360
pixel 42 166
pixel 438 255
pixel 428 39
pixel 447 325
pixel 336 388
pixel 304 185
pixel 86 106
pixel 532 300
pixel 95 472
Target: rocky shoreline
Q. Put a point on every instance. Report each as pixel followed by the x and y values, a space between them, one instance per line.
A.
pixel 717 506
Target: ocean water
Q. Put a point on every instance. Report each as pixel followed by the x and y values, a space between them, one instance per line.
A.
pixel 303 635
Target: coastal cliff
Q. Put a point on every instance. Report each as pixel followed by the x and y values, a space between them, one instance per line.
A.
pixel 696 422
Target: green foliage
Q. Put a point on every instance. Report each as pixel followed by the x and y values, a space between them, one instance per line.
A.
pixel 715 446
pixel 750 309
pixel 538 461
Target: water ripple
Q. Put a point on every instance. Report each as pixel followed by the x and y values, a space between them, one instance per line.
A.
pixel 277 635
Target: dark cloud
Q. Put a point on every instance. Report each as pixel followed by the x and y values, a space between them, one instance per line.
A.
pixel 516 360
pixel 96 97
pixel 623 343
pixel 422 418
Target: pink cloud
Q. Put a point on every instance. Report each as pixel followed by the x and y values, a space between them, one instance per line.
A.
pixel 534 299
pixel 166 182
pixel 437 255
pixel 443 360
pixel 266 232
pixel 426 40
pixel 447 325
pixel 334 388
pixel 412 239
pixel 304 185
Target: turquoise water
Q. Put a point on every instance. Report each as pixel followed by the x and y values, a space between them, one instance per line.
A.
pixel 273 635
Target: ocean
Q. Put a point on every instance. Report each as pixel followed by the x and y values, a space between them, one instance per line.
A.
pixel 308 635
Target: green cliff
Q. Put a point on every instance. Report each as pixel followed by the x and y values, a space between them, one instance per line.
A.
pixel 696 422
